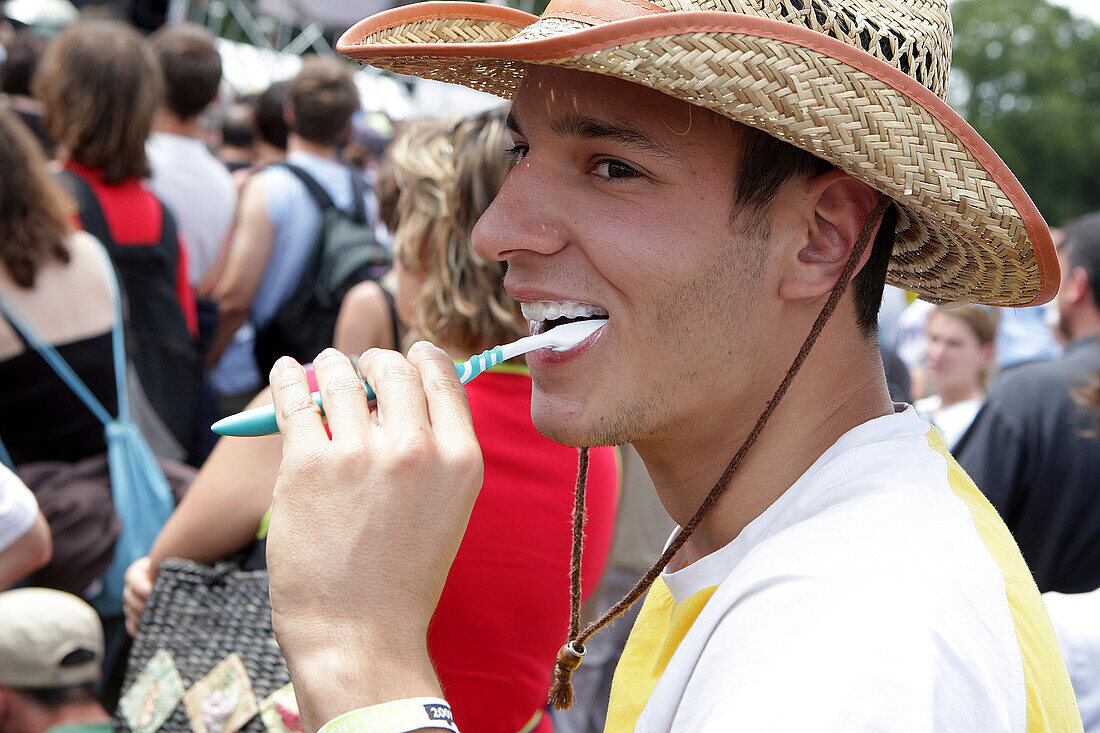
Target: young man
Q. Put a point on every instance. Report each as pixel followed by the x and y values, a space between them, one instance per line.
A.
pixel 840 573
pixel 191 182
pixel 278 220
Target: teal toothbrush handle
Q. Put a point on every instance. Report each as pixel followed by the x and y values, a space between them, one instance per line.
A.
pixel 261 420
pixel 258 421
pixel 475 365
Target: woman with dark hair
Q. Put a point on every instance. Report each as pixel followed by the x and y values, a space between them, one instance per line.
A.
pixel 58 279
pixel 101 85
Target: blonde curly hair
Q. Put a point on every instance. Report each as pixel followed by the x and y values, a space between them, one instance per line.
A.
pixel 448 175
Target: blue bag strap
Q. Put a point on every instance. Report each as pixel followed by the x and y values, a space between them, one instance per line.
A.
pixel 118 340
pixel 62 368
pixel 5 457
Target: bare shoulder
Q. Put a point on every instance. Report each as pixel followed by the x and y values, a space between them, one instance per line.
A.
pixel 69 301
pixel 367 298
pixel 364 320
pixel 254 223
pixel 255 186
pixel 86 249
pixel 89 262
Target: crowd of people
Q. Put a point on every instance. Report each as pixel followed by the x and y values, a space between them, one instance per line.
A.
pixel 843 557
pixel 208 242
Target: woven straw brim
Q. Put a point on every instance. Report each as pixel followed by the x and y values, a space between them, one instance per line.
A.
pixel 967 231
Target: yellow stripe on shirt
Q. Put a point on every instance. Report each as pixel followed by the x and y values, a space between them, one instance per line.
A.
pixel 661 626
pixel 1051 705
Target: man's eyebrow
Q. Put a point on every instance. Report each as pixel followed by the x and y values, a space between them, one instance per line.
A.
pixel 512 123
pixel 584 126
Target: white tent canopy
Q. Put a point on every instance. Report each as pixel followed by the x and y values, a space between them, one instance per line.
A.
pixel 249 69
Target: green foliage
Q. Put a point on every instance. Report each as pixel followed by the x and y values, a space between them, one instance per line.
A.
pixel 1026 75
pixel 531 6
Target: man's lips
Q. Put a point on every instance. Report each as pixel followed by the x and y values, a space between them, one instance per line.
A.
pixel 552 357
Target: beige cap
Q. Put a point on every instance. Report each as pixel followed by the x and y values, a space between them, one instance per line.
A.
pixel 48 639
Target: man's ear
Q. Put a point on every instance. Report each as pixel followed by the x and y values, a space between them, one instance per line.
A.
pixel 837 208
pixel 1077 287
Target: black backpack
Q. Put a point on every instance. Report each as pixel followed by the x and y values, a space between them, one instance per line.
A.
pixel 345 253
pixel 159 344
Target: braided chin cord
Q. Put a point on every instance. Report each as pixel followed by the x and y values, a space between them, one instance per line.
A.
pixel 570 655
pixel 569 658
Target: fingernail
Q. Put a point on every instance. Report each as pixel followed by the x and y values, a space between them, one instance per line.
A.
pixel 425 346
pixel 281 365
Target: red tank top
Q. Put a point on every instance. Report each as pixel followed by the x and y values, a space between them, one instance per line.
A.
pixel 506 601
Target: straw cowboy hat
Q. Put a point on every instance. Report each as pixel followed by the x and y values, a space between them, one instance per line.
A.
pixel 859 83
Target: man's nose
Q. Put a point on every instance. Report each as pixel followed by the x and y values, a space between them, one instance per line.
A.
pixel 525 217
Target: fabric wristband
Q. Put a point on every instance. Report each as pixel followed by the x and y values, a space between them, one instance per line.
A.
pixel 396 716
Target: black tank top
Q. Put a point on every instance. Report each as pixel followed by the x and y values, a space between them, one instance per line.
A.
pixel 395 322
pixel 41 418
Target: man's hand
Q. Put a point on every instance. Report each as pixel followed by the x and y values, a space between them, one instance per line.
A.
pixel 365 526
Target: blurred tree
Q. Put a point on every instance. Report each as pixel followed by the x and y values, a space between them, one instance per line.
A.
pixel 530 6
pixel 1026 75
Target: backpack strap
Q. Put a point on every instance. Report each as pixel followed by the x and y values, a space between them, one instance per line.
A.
pixel 316 192
pixel 395 321
pixel 321 197
pixel 92 219
pixel 118 340
pixel 358 195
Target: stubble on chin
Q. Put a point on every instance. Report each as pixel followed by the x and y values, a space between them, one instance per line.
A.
pixel 621 425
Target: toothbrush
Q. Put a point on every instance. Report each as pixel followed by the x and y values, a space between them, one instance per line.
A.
pixel 261 420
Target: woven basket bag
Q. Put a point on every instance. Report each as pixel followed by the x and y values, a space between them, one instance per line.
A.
pixel 201 614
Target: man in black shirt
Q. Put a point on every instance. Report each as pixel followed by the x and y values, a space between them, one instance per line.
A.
pixel 1033 448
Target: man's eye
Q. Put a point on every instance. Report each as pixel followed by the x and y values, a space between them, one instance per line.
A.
pixel 615 169
pixel 516 153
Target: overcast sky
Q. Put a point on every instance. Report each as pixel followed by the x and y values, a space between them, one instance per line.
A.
pixel 1086 8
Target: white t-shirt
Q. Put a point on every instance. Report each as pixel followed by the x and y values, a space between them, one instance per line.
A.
pixel 198 189
pixel 952 420
pixel 1076 619
pixel 18 509
pixel 880 592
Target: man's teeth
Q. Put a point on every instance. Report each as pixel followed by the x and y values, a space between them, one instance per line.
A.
pixel 549 311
